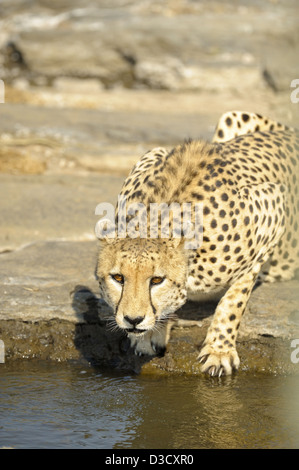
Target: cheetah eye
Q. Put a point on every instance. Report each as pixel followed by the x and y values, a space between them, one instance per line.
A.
pixel 156 280
pixel 118 278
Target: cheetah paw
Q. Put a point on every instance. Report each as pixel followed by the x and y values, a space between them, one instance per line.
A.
pixel 218 363
pixel 149 344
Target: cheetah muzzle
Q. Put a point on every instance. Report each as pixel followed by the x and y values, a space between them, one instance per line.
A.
pixel 246 183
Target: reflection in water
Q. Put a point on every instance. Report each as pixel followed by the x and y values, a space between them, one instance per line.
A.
pixel 239 412
pixel 70 406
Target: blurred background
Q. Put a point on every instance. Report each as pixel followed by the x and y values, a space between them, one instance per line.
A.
pixel 90 85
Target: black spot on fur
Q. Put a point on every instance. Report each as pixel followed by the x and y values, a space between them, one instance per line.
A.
pixel 245 117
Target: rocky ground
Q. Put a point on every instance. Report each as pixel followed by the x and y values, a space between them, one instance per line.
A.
pixel 88 89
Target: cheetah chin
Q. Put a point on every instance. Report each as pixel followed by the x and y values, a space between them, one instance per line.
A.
pixel 246 184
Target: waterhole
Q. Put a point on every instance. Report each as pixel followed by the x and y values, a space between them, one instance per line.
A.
pixel 49 405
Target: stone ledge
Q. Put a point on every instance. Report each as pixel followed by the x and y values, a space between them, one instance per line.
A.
pixel 50 310
pixel 61 341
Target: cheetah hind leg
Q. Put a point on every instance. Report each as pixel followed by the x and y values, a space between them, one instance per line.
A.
pixel 283 261
pixel 281 266
pixel 235 123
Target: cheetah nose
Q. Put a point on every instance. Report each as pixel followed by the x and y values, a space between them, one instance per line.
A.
pixel 134 321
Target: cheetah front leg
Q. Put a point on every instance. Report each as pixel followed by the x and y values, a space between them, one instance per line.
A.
pixel 219 355
pixel 152 342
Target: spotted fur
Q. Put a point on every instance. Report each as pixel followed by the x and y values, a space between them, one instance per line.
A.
pixel 247 182
pixel 235 123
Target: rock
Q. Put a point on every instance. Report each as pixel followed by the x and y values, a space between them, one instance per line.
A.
pixel 50 207
pixel 75 85
pixel 36 139
pixel 38 281
pixel 262 311
pixel 50 310
pixel 179 48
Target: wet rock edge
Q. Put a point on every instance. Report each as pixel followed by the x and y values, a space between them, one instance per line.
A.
pixel 93 343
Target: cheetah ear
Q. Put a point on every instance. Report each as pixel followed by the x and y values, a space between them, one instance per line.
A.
pixel 105 231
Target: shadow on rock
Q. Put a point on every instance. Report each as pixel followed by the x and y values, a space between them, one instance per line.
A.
pixel 101 344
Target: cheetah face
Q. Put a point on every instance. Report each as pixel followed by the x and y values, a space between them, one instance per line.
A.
pixel 143 281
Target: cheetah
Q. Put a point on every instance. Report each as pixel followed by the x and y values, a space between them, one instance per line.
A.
pixel 246 182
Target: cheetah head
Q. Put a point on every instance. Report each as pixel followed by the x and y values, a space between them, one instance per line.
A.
pixel 142 280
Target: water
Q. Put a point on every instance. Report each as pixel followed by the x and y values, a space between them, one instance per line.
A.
pixel 46 405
